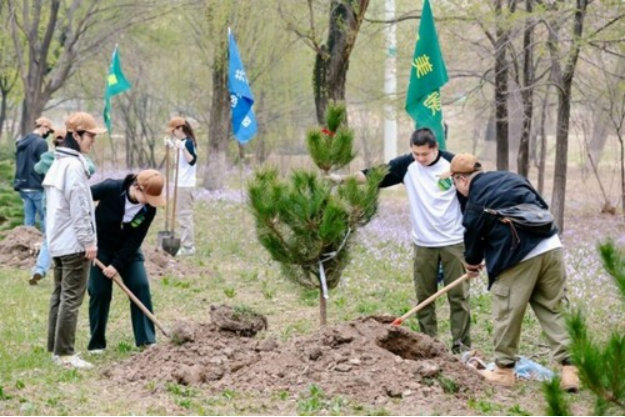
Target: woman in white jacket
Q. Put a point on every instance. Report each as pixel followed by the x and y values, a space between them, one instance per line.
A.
pixel 71 234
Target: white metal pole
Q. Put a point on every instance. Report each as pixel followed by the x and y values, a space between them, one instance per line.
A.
pixel 390 85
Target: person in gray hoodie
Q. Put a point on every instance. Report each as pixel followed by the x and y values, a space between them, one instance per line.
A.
pixel 71 234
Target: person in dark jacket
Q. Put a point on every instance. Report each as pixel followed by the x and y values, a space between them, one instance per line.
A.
pixel 123 216
pixel 27 181
pixel 525 266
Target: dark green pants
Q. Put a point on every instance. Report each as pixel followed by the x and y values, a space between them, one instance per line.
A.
pixel 70 281
pixel 101 293
pixel 425 271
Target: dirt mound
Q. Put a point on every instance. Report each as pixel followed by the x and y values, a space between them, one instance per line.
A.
pixel 20 246
pixel 364 359
pixel 240 321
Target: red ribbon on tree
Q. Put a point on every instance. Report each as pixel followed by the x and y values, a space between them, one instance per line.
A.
pixel 327 132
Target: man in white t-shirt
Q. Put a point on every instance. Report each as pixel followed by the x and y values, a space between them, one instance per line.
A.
pixel 525 265
pixel 437 230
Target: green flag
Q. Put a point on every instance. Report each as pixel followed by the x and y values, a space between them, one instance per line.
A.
pixel 116 83
pixel 427 75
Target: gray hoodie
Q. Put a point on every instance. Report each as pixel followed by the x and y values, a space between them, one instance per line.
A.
pixel 70 212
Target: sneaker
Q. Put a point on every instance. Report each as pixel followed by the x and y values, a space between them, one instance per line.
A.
pixel 186 251
pixel 98 352
pixel 37 276
pixel 72 361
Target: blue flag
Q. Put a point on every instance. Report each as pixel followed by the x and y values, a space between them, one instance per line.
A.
pixel 241 98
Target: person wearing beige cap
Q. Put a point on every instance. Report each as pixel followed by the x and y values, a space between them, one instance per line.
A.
pixel 70 233
pixel 525 265
pixel 130 202
pixel 42 265
pixel 27 181
pixel 185 145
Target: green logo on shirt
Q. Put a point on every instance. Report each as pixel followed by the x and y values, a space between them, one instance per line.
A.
pixel 444 184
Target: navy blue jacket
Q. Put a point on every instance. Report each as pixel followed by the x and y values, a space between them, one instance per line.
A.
pixel 115 237
pixel 486 237
pixel 29 151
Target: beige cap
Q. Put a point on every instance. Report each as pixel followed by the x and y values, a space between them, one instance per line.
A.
pixel 175 123
pixel 151 183
pixel 463 163
pixel 83 122
pixel 44 121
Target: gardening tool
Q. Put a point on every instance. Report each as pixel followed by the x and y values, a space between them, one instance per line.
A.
pixel 171 244
pixel 399 320
pixel 134 299
pixel 165 233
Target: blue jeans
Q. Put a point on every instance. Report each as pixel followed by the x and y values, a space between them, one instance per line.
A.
pixel 43 259
pixel 33 204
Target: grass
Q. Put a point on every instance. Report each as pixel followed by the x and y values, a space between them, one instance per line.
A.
pixel 237 271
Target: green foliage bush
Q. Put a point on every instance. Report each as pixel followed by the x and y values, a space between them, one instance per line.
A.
pixel 11 207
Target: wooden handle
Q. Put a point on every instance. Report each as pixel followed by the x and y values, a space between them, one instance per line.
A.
pixel 398 321
pixel 166 188
pixel 173 211
pixel 134 299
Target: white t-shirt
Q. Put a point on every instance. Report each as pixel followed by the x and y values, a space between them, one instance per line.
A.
pixel 186 169
pixel 435 212
pixel 131 209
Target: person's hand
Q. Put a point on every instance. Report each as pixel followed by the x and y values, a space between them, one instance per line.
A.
pixel 90 252
pixel 109 271
pixel 179 144
pixel 336 178
pixel 168 142
pixel 474 270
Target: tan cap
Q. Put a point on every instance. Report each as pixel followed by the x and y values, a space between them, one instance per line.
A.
pixel 463 163
pixel 83 122
pixel 175 123
pixel 151 183
pixel 60 132
pixel 44 121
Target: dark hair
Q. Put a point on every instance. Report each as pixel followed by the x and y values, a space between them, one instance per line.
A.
pixel 188 131
pixel 70 142
pixel 423 136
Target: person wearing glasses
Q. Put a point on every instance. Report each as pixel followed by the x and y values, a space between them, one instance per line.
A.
pixel 124 214
pixel 185 144
pixel 71 234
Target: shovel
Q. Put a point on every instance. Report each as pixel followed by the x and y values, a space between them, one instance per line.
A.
pixel 399 320
pixel 166 233
pixel 171 244
pixel 135 300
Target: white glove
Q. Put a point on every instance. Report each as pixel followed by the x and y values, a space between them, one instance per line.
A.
pixel 169 143
pixel 336 178
pixel 179 144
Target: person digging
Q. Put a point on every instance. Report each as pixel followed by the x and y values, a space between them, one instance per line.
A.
pixel 123 217
pixel 525 265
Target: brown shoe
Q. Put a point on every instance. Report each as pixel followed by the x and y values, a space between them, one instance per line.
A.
pixel 500 376
pixel 569 381
pixel 37 276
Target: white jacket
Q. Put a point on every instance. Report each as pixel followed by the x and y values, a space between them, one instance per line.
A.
pixel 70 212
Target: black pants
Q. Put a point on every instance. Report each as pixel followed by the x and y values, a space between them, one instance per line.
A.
pixel 101 291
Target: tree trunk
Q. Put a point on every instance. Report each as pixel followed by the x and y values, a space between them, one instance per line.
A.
pixel 564 80
pixel 332 59
pixel 527 93
pixel 323 313
pixel 219 126
pixel 501 91
pixel 620 138
pixel 543 144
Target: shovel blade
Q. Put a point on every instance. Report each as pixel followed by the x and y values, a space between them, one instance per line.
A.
pixel 162 235
pixel 171 245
